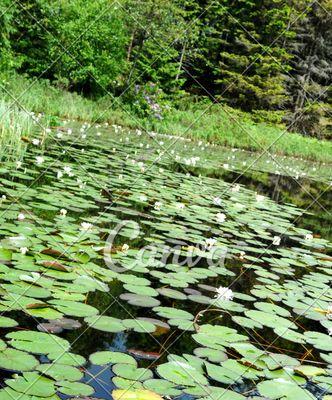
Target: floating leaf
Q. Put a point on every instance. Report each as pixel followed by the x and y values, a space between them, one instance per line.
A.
pixel 111 357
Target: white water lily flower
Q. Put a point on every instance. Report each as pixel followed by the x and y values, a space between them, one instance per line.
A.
pixel 36 142
pixel 276 240
pixel 308 236
pixel 63 212
pixel 3 197
pixel 157 205
pixel 235 188
pixel 24 250
pixel 329 312
pixel 209 243
pixel 18 164
pixel 221 217
pixel 120 177
pixel 21 217
pixel 142 197
pixel 125 247
pixel 86 226
pixel 67 170
pixel 39 160
pixel 242 255
pixel 217 201
pixel 259 198
pixel 180 206
pixel 226 166
pixel 224 294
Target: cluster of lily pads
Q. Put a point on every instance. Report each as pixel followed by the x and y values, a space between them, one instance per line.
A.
pixel 259 320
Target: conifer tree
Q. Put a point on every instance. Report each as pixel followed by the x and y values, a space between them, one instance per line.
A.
pixel 309 85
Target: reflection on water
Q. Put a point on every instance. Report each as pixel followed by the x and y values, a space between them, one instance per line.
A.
pixel 85 200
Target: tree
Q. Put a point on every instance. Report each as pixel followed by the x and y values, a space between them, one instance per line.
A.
pixel 311 78
pixel 157 47
pixel 8 11
pixel 77 43
pixel 241 57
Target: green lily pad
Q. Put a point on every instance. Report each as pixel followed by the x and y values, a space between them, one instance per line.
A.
pixel 111 357
pixel 17 360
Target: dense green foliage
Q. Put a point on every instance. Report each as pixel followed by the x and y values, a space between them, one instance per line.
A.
pixel 269 57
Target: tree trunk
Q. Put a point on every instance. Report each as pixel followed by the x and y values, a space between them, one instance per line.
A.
pixel 130 48
pixel 181 61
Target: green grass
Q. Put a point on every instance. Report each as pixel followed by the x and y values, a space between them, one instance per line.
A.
pixel 14 124
pixel 219 124
pixel 41 97
pixel 232 128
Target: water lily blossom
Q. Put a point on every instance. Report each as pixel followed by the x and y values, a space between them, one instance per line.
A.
pixel 39 160
pixel 209 243
pixel 21 217
pixel 36 142
pixel 276 240
pixel 157 205
pixel 224 294
pixel 24 250
pixel 259 198
pixel 217 201
pixel 86 226
pixel 221 217
pixel 235 188
pixel 67 170
pixel 125 247
pixel 63 212
pixel 308 236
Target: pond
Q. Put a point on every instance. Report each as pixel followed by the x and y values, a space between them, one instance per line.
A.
pixel 139 267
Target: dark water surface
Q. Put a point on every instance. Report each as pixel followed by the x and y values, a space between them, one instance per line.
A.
pixel 85 198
